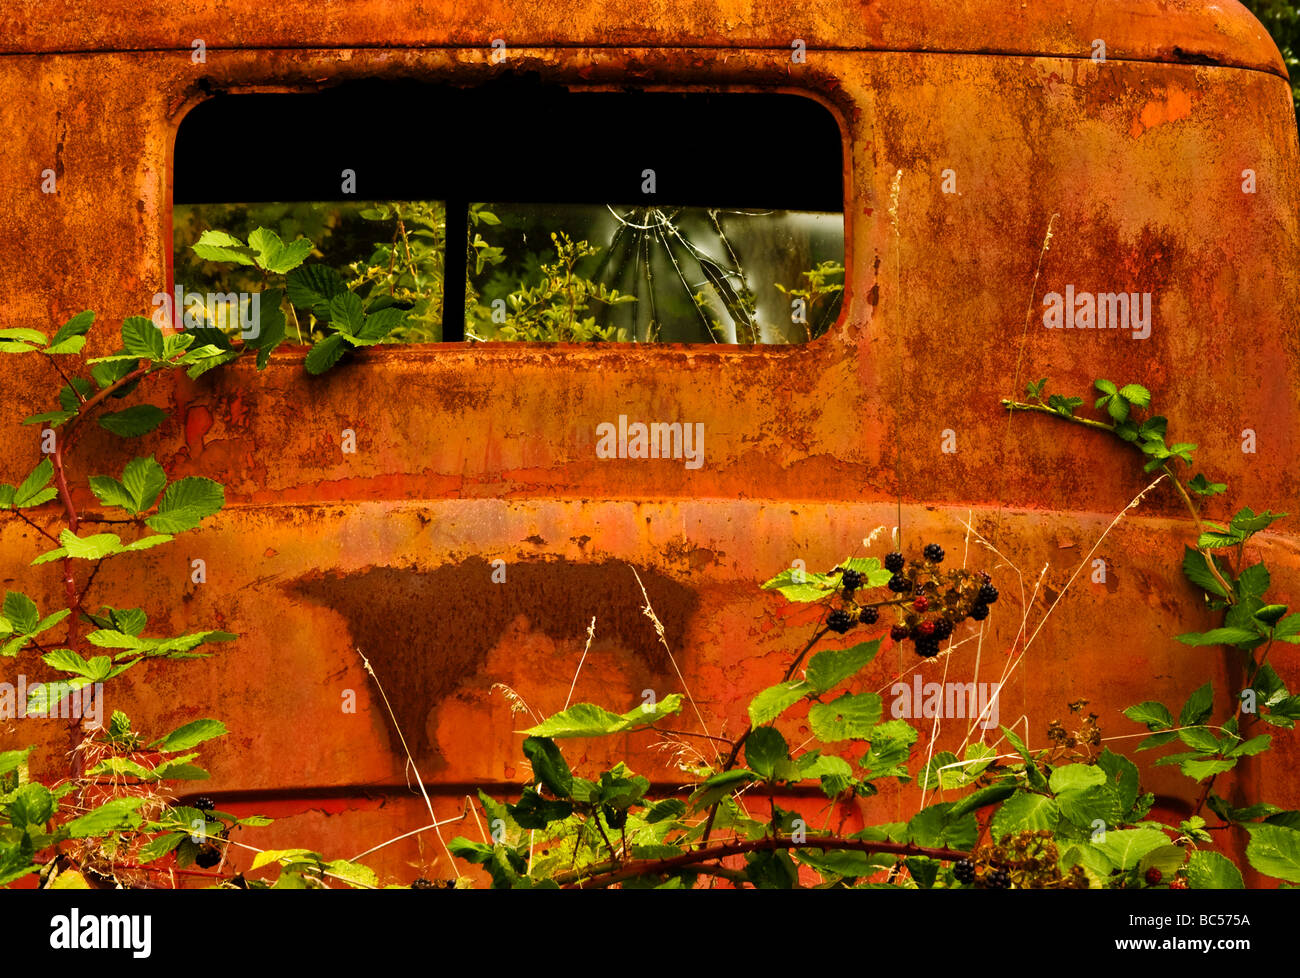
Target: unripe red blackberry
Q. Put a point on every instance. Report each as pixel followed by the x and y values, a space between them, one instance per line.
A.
pixel 894 562
pixel 925 628
pixel 1154 876
pixel 921 602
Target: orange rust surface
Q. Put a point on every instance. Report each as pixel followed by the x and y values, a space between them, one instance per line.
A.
pixel 471 454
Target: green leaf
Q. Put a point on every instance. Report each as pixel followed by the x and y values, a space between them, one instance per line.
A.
pixel 1084 807
pixel 1126 847
pixel 186 503
pixel 850 717
pixel 1197 570
pixel 1024 812
pixel 1247 522
pixel 1218 636
pixel 36 480
pixel 75 328
pixel 1076 776
pixel 802 586
pixel 720 786
pixel 52 418
pixel 11 760
pixel 312 286
pixel 588 720
pixel 273 255
pixel 1203 487
pixel 21 612
pixel 345 312
pixel 1201 768
pixel 21 336
pixel 110 492
pixel 32 804
pixel 1155 715
pixel 220 246
pixel 190 735
pixel 142 339
pixel 351 873
pixel 936 827
pixel 325 354
pixel 830 668
pixel 549 766
pixel 1274 850
pixel 144 479
pixel 133 421
pixel 120 813
pixel 1136 395
pixel 775 700
pixel 764 749
pixel 990 795
pixel 1198 707
pixel 1212 871
pixel 93 547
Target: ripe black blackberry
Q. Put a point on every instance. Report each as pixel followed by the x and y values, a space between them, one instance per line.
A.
pixel 869 616
pixel 997 879
pixel 423 884
pixel 964 871
pixel 899 632
pixel 204 804
pixel 840 621
pixel 927 646
pixel 899 584
pixel 988 594
pixel 894 562
pixel 850 580
pixel 933 553
pixel 979 612
pixel 207 856
pixel 942 628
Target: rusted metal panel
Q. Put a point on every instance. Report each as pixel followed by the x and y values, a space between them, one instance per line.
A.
pixel 469 454
pixel 1183 31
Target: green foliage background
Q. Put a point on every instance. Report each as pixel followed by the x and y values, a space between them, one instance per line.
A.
pixel 1282 19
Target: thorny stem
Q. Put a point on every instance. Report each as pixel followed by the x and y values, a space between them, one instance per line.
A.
pixel 1102 426
pixel 607 874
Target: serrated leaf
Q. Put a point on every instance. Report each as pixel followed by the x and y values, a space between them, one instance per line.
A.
pixel 141 338
pixel 1022 812
pixel 850 717
pixel 1198 707
pixel 196 732
pixel 120 813
pixel 325 354
pixel 1196 569
pixel 1212 871
pixel 775 700
pixel 36 481
pixel 140 419
pixel 764 749
pixel 1126 847
pixel 1274 850
pixel 830 668
pixel 549 766
pixel 588 720
pixel 220 246
pixel 186 503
